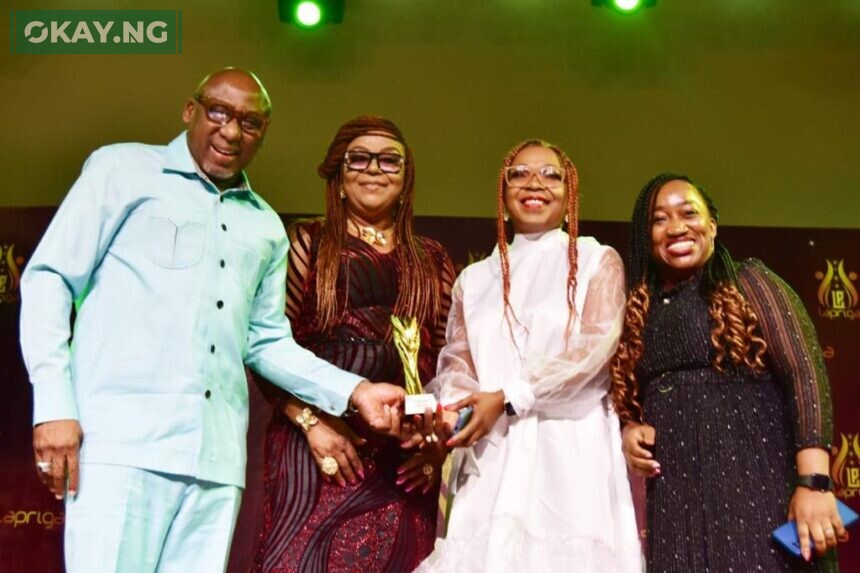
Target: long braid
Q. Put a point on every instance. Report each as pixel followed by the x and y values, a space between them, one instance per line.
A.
pixel 735 326
pixel 418 293
pixel 571 178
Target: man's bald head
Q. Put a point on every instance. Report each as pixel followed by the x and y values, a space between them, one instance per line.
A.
pixel 227 120
pixel 238 78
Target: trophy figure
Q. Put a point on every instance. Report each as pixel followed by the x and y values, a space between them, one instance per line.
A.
pixel 407 340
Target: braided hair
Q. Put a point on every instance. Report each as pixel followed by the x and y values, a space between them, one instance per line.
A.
pixel 419 293
pixel 735 326
pixel 571 181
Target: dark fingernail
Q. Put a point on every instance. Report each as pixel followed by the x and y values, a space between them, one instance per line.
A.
pixel 400 481
pixel 361 474
pixel 410 488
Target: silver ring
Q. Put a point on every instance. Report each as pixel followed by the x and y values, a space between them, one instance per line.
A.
pixel 44 467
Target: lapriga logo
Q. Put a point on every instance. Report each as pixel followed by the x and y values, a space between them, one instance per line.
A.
pixel 22 517
pixel 846 466
pixel 96 32
pixel 837 295
pixel 10 274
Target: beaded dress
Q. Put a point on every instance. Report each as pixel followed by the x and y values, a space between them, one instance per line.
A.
pixel 310 525
pixel 726 441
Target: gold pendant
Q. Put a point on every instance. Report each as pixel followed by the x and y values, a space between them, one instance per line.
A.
pixel 372 236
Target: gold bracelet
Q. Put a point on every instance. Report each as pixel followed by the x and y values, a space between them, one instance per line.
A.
pixel 307 419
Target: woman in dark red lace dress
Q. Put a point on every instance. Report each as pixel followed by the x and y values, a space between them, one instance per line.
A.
pixel 334 500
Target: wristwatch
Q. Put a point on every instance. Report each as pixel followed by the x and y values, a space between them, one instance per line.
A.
pixel 509 409
pixel 817 482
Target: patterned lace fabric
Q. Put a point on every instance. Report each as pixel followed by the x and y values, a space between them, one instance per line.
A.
pixel 310 525
pixel 726 441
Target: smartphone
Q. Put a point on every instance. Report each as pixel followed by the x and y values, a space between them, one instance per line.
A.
pixel 463 418
pixel 786 534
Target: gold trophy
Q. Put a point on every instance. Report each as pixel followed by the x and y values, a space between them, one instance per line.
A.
pixel 407 340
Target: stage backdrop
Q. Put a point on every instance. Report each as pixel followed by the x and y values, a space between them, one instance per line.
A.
pixel 821 264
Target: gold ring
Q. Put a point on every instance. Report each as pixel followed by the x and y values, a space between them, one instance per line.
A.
pixel 329 466
pixel 427 469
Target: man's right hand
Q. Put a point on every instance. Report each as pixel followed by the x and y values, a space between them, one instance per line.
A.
pixel 379 404
pixel 57 443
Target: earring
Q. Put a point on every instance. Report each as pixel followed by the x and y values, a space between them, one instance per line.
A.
pixel 567 219
pixel 506 217
pixel 342 193
pixel 400 200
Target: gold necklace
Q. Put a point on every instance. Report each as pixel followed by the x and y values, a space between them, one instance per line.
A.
pixel 371 235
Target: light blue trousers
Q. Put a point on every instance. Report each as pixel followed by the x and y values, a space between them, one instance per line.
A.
pixel 132 520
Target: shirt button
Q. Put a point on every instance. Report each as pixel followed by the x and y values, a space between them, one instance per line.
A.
pixel 212 349
pixel 220 304
pixel 207 393
pixel 223 227
pixel 221 198
pixel 222 263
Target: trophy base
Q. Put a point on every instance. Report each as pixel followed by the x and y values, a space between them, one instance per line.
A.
pixel 416 404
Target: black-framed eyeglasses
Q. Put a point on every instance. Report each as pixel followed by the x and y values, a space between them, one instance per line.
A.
pixel 360 160
pixel 548 176
pixel 250 122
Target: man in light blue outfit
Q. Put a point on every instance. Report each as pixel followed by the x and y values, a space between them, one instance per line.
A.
pixel 178 267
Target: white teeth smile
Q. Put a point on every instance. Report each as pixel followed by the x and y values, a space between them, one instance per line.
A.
pixel 535 202
pixel 222 152
pixel 681 247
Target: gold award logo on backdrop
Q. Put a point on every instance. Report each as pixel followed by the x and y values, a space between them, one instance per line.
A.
pixel 837 295
pixel 846 466
pixel 10 274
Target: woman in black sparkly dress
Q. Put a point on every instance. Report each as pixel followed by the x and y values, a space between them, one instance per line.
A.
pixel 722 385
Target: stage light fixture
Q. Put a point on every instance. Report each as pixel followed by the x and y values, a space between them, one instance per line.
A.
pixel 624 6
pixel 310 14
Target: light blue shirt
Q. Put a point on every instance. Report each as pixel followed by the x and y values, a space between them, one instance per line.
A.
pixel 181 285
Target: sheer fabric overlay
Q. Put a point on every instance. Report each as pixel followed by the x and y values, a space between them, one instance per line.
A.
pixel 546 489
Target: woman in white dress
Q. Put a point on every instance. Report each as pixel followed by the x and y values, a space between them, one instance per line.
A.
pixel 541 480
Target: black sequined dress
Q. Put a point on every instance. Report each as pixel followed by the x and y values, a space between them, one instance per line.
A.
pixel 726 441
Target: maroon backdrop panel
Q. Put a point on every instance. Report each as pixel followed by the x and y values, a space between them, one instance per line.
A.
pixel 821 264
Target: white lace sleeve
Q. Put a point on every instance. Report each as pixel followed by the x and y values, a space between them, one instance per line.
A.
pixel 455 374
pixel 548 382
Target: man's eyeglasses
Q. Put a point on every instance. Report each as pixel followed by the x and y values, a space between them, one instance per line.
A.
pixel 360 160
pixel 548 176
pixel 221 113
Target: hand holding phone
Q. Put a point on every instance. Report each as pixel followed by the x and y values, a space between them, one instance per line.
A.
pixel 464 416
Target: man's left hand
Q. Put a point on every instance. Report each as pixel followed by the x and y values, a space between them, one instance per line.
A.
pixel 379 404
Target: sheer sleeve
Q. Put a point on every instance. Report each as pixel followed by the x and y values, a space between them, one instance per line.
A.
pixel 547 382
pixel 793 353
pixel 446 283
pixel 456 377
pixel 298 268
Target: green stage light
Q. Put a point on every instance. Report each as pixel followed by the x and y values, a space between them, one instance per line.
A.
pixel 310 14
pixel 625 6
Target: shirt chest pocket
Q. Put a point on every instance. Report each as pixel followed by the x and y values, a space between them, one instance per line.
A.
pixel 176 244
